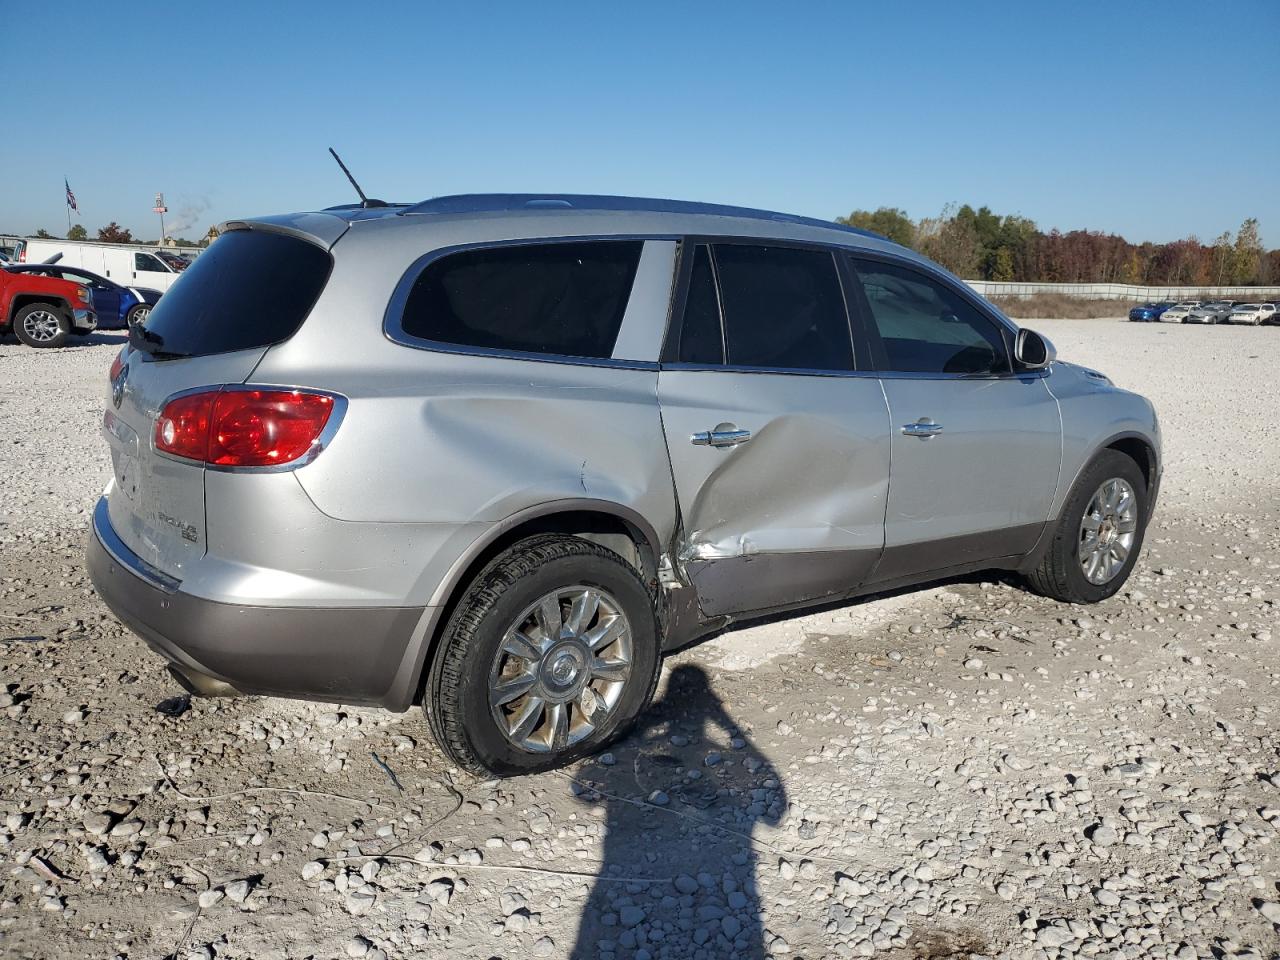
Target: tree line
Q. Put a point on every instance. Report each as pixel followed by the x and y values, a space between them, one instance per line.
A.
pixel 982 245
pixel 114 233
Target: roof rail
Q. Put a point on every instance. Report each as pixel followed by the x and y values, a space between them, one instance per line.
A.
pixel 509 202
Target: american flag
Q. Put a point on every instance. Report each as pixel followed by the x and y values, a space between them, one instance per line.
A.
pixel 71 197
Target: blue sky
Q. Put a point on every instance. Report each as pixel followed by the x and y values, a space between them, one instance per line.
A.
pixel 1154 120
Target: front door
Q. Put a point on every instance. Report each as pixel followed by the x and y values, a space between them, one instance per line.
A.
pixel 976 445
pixel 779 447
pixel 150 271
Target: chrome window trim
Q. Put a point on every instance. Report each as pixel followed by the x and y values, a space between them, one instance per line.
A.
pixel 861 374
pixel 122 555
pixel 318 446
pixel 393 329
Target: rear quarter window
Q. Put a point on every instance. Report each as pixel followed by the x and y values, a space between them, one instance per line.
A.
pixel 250 289
pixel 556 299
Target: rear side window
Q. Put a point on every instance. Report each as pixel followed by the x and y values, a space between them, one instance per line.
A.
pixel 700 337
pixel 782 308
pixel 250 289
pixel 560 299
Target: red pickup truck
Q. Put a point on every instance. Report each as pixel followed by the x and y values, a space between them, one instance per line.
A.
pixel 44 311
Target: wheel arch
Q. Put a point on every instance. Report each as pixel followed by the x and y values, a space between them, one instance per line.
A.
pixel 27 299
pixel 1134 444
pixel 612 525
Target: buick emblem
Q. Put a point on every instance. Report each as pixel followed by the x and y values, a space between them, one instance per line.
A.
pixel 117 386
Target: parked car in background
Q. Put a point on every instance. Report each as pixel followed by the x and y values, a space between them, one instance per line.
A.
pixel 116 306
pixel 1148 312
pixel 128 266
pixel 1251 313
pixel 1215 311
pixel 44 311
pixel 1178 312
pixel 598 428
pixel 1275 313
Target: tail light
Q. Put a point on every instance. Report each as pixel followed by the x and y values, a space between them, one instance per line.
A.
pixel 243 428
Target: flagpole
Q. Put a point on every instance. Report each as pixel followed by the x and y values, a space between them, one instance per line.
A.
pixel 68 206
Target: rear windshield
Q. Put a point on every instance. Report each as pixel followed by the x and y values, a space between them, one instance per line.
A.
pixel 250 289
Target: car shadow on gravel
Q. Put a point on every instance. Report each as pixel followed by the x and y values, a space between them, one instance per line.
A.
pixel 681 798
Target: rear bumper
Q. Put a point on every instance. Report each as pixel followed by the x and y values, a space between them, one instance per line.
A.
pixel 337 654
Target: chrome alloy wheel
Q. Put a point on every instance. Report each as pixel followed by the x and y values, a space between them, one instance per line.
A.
pixel 561 669
pixel 42 326
pixel 1107 531
pixel 140 314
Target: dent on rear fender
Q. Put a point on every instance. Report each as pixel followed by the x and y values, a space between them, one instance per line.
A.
pixel 743 510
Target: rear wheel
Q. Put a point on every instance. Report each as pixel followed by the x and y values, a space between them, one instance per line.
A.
pixel 551 653
pixel 42 325
pixel 1098 535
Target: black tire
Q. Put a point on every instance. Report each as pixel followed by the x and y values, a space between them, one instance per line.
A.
pixel 456 693
pixel 136 314
pixel 1059 575
pixel 21 318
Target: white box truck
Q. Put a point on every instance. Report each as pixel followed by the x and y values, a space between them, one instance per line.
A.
pixel 129 266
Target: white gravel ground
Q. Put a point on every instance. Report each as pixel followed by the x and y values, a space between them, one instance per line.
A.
pixel 964 770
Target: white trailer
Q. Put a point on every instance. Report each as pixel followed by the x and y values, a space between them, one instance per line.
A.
pixel 127 265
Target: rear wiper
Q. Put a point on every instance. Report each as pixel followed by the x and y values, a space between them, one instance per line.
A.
pixel 150 343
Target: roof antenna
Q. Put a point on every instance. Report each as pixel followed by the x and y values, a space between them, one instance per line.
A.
pixel 364 201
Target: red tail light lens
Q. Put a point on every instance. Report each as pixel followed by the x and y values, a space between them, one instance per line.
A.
pixel 243 428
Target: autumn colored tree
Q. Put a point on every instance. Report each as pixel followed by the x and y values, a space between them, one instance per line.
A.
pixel 78 232
pixel 114 233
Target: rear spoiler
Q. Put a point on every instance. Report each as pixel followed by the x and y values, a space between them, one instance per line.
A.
pixel 322 229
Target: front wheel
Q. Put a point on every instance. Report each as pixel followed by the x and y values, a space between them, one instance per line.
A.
pixel 551 653
pixel 137 314
pixel 1098 535
pixel 41 325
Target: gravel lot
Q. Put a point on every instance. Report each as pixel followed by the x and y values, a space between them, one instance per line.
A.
pixel 961 770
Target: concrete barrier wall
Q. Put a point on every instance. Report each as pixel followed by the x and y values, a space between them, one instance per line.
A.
pixel 1122 291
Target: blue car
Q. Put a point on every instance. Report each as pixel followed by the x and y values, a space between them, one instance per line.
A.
pixel 1148 312
pixel 117 307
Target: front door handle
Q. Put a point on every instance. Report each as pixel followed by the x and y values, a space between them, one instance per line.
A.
pixel 725 435
pixel 924 428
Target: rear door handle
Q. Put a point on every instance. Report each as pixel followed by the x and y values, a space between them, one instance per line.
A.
pixel 720 437
pixel 924 428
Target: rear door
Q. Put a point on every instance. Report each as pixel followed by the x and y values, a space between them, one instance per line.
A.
pixel 778 442
pixel 976 446
pixel 250 290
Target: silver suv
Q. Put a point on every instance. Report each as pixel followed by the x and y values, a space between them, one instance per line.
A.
pixel 497 454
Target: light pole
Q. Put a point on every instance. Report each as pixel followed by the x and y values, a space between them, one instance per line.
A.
pixel 161 209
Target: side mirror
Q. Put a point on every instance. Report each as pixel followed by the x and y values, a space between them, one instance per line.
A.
pixel 1033 351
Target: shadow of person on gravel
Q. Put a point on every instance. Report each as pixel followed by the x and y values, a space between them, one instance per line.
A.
pixel 681 800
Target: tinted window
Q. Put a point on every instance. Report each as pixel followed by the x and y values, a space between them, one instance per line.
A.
pixel 926 327
pixel 249 289
pixel 145 261
pixel 564 299
pixel 700 340
pixel 782 308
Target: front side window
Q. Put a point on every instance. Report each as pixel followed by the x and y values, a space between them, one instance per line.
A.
pixel 782 308
pixel 560 299
pixel 145 261
pixel 926 327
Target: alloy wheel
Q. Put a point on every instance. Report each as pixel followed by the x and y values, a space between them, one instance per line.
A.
pixel 1107 531
pixel 41 326
pixel 560 669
